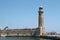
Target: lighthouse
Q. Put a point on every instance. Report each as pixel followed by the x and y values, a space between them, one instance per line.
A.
pixel 41 21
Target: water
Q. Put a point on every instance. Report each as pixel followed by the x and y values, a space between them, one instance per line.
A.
pixel 22 38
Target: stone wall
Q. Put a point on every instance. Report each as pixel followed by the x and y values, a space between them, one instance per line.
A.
pixel 17 32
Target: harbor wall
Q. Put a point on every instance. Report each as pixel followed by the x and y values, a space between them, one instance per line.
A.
pixel 18 32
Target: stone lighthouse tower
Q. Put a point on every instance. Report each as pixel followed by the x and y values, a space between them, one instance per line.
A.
pixel 41 21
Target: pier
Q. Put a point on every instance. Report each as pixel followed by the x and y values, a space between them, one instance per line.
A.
pixel 25 33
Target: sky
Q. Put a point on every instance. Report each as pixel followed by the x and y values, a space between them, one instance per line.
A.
pixel 20 14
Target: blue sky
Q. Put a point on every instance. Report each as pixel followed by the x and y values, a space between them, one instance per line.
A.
pixel 24 14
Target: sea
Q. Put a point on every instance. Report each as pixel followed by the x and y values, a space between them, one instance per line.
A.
pixel 22 38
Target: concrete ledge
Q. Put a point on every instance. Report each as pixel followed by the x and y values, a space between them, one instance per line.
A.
pixel 50 37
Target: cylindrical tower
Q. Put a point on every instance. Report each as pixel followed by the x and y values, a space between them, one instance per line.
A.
pixel 41 21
